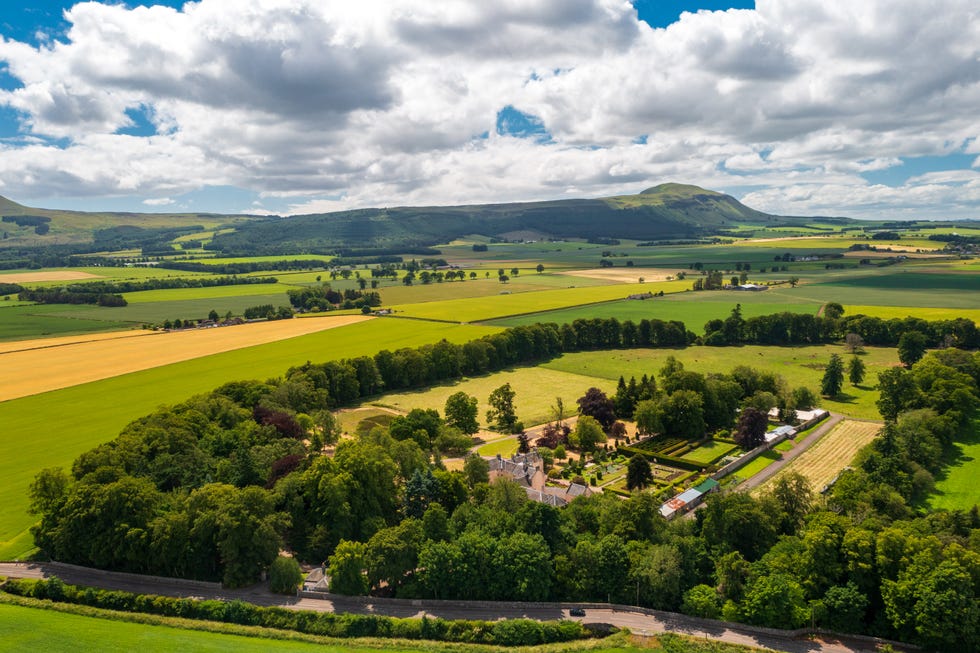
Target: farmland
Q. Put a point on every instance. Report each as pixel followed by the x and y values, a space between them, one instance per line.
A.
pixel 823 461
pixel 39 367
pixel 109 404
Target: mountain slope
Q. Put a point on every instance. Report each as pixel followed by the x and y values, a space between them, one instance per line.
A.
pixel 664 212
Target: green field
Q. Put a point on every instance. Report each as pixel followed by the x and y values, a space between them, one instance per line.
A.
pixel 957 488
pixel 710 452
pixel 476 309
pixel 157 312
pixel 53 428
pixel 905 289
pixel 757 465
pixel 214 292
pixel 536 389
pixel 693 309
pixel 27 321
pixel 798 365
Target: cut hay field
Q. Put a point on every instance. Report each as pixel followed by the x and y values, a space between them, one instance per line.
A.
pixel 39 367
pixel 957 488
pixel 46 275
pixel 834 451
pixel 693 309
pixel 476 309
pixel 798 365
pixel 535 388
pixel 52 429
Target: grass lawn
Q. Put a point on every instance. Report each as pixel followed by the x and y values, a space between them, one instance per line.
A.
pixel 957 489
pixel 52 429
pixel 757 465
pixel 536 389
pixel 709 452
pixel 505 447
pixel 475 309
pixel 800 366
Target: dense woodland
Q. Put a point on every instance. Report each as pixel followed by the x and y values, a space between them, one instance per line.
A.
pixel 214 487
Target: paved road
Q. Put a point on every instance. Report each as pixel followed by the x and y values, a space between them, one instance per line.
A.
pixel 637 622
pixel 825 427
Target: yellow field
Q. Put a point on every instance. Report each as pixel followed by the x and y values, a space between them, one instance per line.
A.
pixel 624 275
pixel 888 312
pixel 28 371
pixel 810 242
pixel 60 341
pixel 50 275
pixel 824 460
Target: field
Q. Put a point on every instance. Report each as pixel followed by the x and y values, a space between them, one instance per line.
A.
pixel 957 489
pixel 476 309
pixel 693 309
pixel 834 451
pixel 40 367
pixel 49 275
pixel 798 365
pixel 533 403
pixel 20 322
pixel 52 429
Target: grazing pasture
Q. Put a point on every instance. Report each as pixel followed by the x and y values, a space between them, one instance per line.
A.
pixel 824 460
pixel 52 429
pixel 956 488
pixel 800 366
pixel 536 389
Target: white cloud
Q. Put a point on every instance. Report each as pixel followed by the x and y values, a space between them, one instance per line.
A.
pixel 316 99
pixel 159 201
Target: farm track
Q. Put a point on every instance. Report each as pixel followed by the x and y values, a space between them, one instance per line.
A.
pixel 639 622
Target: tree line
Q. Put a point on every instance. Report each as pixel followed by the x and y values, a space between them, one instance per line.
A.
pixel 214 487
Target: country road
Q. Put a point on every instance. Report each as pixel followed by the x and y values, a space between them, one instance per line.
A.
pixel 637 621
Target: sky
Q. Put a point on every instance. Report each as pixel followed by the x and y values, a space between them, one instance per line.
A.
pixel 866 109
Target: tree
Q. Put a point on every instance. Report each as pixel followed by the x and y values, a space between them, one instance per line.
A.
pixel 911 348
pixel 702 601
pixel 638 473
pixel 502 415
pixel 854 343
pixel 596 404
pixel 855 370
pixel 648 417
pixel 476 470
pixel 793 281
pixel 751 430
pixel 682 414
pixel 347 566
pixel 588 433
pixel 461 412
pixel 285 575
pixel 540 268
pixel 833 310
pixel 833 377
pixel 213 315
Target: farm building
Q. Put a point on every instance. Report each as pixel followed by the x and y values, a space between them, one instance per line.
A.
pixel 688 500
pixel 804 418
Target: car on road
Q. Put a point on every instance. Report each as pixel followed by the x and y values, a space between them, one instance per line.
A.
pixel 576 612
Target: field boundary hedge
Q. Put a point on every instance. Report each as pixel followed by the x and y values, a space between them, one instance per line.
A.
pixel 508 632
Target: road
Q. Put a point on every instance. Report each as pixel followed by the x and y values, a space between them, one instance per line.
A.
pixel 825 427
pixel 638 622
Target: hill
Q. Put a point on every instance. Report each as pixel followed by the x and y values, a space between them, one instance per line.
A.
pixel 668 211
pixel 27 227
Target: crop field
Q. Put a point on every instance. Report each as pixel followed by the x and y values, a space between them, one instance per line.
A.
pixel 476 309
pixel 710 452
pixel 834 451
pixel 839 242
pixel 957 488
pixel 52 429
pixel 909 289
pixel 214 292
pixel 536 389
pixel 889 312
pixel 21 321
pixel 800 366
pixel 694 309
pixel 46 275
pixel 157 312
pixel 36 370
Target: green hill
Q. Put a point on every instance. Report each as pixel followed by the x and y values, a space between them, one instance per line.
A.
pixel 668 211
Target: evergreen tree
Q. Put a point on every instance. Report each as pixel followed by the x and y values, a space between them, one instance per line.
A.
pixel 833 377
pixel 638 473
pixel 855 370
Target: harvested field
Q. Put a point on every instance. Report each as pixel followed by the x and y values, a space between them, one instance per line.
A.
pixel 29 372
pixel 824 460
pixel 623 275
pixel 60 341
pixel 50 275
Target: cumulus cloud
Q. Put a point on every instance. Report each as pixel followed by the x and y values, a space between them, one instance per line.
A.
pixel 341 105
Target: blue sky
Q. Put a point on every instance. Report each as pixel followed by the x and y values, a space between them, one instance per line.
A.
pixel 794 106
